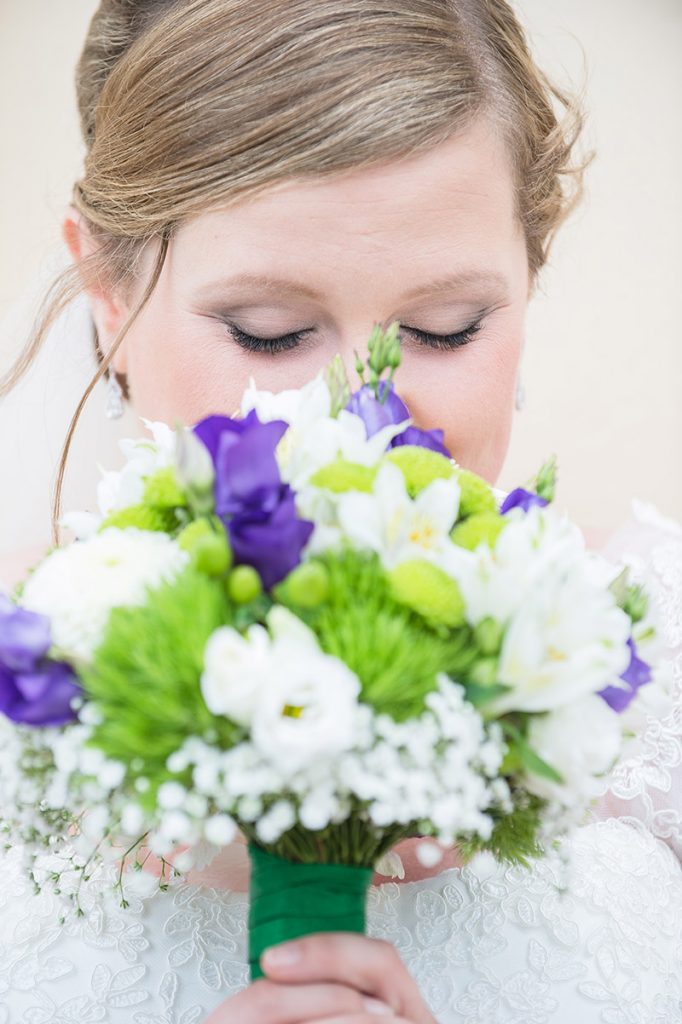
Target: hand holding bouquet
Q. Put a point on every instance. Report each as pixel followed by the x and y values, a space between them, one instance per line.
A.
pixel 309 623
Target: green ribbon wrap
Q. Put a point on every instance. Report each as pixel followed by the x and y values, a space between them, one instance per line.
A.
pixel 289 900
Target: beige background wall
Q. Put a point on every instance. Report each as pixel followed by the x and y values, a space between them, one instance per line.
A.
pixel 603 366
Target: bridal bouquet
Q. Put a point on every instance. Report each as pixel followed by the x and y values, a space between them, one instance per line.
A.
pixel 310 623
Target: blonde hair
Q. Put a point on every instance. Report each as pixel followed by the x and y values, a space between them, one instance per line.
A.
pixel 187 105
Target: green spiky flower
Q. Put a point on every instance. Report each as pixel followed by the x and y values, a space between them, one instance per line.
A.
pixel 483 528
pixel 420 466
pixel 391 649
pixel 429 591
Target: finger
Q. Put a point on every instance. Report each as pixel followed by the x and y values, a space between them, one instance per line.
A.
pixel 363 1018
pixel 266 1002
pixel 369 965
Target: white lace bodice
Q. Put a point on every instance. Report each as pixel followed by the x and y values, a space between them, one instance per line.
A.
pixel 486 944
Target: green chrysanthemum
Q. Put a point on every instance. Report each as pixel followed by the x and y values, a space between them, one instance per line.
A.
pixel 420 466
pixel 477 495
pixel 142 517
pixel 162 490
pixel 427 590
pixel 483 528
pixel 340 476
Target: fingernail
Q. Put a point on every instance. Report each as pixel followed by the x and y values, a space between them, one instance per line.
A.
pixel 286 955
pixel 377 1007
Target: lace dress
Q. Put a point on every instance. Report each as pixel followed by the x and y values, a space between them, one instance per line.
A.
pixel 487 944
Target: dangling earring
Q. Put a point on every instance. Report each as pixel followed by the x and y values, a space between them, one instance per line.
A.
pixel 114 406
pixel 520 400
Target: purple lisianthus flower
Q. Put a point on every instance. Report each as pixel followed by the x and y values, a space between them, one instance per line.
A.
pixel 389 409
pixel 376 413
pixel 34 690
pixel 42 697
pixel 521 498
pixel 637 674
pixel 256 507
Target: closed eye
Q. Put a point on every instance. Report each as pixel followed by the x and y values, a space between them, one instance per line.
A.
pixel 287 342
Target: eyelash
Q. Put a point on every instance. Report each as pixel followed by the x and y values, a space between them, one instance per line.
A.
pixel 286 342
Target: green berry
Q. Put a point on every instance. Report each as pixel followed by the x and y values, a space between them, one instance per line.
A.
pixel 420 466
pixel 483 528
pixel 488 636
pixel 162 489
pixel 306 586
pixel 429 591
pixel 244 584
pixel 340 476
pixel 207 543
pixel 142 517
pixel 477 495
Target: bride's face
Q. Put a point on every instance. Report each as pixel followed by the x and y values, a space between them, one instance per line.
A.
pixel 274 287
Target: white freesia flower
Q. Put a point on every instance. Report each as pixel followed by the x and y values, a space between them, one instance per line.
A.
pixel 77 586
pixel 236 668
pixel 532 546
pixel 396 526
pixel 580 740
pixel 567 639
pixel 315 438
pixel 121 488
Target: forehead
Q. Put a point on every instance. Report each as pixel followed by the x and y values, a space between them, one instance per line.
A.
pixel 457 199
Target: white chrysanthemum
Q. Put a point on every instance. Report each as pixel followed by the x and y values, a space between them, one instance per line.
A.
pixel 581 741
pixel 77 586
pixel 396 526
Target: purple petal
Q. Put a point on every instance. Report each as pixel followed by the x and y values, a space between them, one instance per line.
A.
pixel 637 674
pixel 273 546
pixel 24 637
pixel 40 698
pixel 521 498
pixel 380 412
pixel 433 439
pixel 247 472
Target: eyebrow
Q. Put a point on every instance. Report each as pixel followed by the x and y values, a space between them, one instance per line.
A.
pixel 285 287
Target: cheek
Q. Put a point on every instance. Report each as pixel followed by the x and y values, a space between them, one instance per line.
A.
pixel 470 394
pixel 179 369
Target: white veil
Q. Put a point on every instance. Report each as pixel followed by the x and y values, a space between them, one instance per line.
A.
pixel 35 417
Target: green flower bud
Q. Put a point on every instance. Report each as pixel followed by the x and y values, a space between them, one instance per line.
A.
pixel 340 476
pixel 162 489
pixel 636 603
pixel 477 495
pixel 207 543
pixel 429 591
pixel 484 528
pixel 244 584
pixel 488 636
pixel 420 466
pixel 484 672
pixel 306 586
